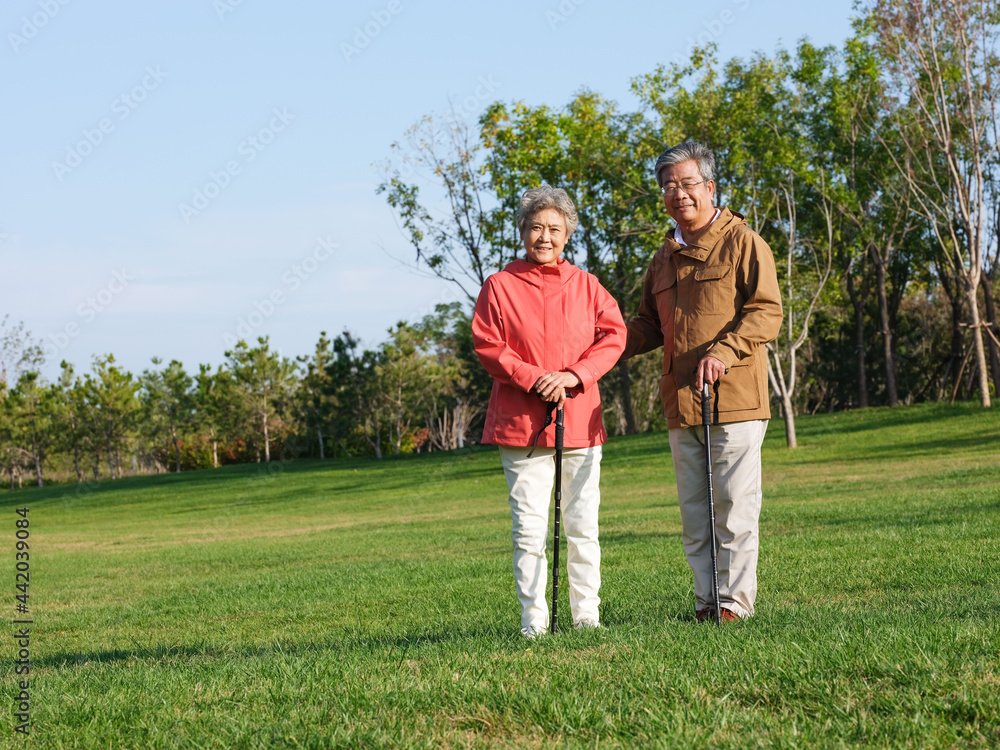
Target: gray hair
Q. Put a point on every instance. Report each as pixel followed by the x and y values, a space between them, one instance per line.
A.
pixel 540 198
pixel 687 151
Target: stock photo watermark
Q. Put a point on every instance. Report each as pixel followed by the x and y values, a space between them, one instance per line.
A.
pixel 32 25
pixel 249 148
pixel 363 35
pixel 711 31
pixel 291 281
pixel 461 113
pixel 562 13
pixel 86 312
pixel 121 106
pixel 224 7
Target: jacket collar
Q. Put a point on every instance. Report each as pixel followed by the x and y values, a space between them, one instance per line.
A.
pixel 702 245
pixel 533 274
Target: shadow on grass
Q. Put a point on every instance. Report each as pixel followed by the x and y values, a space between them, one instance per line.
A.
pixel 348 641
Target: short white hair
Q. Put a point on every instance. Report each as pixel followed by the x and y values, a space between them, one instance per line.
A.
pixel 540 198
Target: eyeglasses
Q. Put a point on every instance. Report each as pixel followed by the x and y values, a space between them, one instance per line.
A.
pixel 687 187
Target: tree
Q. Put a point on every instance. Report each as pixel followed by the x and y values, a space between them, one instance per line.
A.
pixel 940 60
pixel 167 397
pixel 110 393
pixel 466 243
pixel 316 402
pixel 210 406
pixel 355 376
pixel 457 388
pixel 264 383
pixel 18 353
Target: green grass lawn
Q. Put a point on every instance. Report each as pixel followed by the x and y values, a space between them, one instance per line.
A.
pixel 358 603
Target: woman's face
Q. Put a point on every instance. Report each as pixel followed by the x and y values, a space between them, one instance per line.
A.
pixel 544 236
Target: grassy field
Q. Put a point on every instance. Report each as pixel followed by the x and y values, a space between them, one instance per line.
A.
pixel 357 603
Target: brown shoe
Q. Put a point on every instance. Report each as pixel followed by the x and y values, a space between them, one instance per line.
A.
pixel 707 614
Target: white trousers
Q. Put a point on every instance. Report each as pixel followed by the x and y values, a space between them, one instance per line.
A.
pixel 737 484
pixel 530 481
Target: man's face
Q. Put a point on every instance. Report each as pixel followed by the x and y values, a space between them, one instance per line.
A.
pixel 691 208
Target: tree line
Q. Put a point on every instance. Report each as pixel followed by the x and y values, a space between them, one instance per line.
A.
pixel 417 391
pixel 871 170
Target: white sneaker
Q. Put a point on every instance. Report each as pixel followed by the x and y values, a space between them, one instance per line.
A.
pixel 533 631
pixel 587 624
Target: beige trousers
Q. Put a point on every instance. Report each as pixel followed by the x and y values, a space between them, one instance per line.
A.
pixel 531 481
pixel 737 484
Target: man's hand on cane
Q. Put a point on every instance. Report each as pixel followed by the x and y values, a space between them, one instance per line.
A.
pixel 709 370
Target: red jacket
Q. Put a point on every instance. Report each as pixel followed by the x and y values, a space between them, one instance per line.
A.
pixel 530 320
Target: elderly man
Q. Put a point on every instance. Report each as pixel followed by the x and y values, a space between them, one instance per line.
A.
pixel 711 300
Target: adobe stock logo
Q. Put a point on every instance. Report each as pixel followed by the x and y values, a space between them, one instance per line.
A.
pixel 249 148
pixel 363 36
pixel 30 26
pixel 87 311
pixel 292 279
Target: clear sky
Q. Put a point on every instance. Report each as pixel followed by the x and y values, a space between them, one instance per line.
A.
pixel 177 174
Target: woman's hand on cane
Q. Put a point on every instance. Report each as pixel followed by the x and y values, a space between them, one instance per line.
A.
pixel 552 386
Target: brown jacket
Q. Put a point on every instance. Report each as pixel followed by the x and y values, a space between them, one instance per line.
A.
pixel 718 295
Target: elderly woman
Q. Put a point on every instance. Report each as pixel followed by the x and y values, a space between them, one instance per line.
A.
pixel 546 330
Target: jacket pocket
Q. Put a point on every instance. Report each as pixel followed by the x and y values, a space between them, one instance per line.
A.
pixel 713 292
pixel 739 389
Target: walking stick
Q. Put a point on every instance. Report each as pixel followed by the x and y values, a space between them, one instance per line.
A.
pixel 558 503
pixel 706 420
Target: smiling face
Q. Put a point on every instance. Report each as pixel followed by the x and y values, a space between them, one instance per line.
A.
pixel 691 209
pixel 544 237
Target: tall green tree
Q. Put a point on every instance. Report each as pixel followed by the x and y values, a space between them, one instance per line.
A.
pixel 265 383
pixel 110 393
pixel 168 402
pixel 316 400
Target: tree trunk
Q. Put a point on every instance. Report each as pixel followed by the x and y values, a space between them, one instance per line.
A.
pixel 891 390
pixel 376 444
pixel 76 462
pixel 267 440
pixel 955 300
pixel 624 377
pixel 36 451
pixel 177 445
pixel 111 457
pixel 977 343
pixel 777 378
pixel 319 436
pixel 215 454
pixel 992 326
pixel 859 299
pixel 625 387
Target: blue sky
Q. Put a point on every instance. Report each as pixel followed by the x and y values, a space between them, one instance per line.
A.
pixel 177 174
